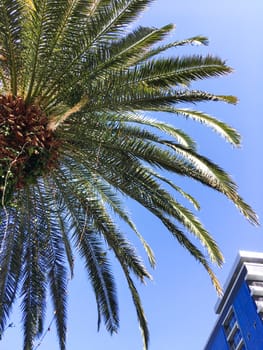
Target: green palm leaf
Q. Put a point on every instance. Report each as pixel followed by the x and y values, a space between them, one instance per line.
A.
pixel 77 90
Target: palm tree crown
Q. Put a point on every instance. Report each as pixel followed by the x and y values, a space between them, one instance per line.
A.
pixel 76 89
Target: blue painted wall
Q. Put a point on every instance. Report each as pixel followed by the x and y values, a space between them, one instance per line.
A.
pixel 218 341
pixel 250 323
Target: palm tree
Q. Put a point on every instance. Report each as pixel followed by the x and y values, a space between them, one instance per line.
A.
pixel 77 138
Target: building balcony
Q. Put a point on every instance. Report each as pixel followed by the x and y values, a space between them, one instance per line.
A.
pixel 230 332
pixel 256 290
pixel 259 304
pixel 254 272
pixel 240 345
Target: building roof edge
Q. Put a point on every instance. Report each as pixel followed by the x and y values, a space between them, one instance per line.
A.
pixel 242 257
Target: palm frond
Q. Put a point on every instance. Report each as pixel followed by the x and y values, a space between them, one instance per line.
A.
pixel 190 198
pixel 10 40
pixel 223 129
pixel 103 26
pixel 33 292
pixel 180 71
pixel 169 129
pixel 77 88
pixel 112 199
pixel 195 40
pixel 11 257
pixel 58 280
pixel 139 309
pixel 101 278
pixel 44 24
pixel 127 50
pixel 193 250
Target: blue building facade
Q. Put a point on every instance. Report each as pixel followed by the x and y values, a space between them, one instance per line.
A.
pixel 239 325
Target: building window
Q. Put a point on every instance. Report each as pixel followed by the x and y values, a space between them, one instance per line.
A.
pixel 256 291
pixel 230 323
pixel 235 340
pixel 232 331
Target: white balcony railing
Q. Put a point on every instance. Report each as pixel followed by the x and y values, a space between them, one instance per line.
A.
pixel 256 290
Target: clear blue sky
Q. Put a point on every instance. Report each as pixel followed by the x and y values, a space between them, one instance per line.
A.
pixel 179 303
